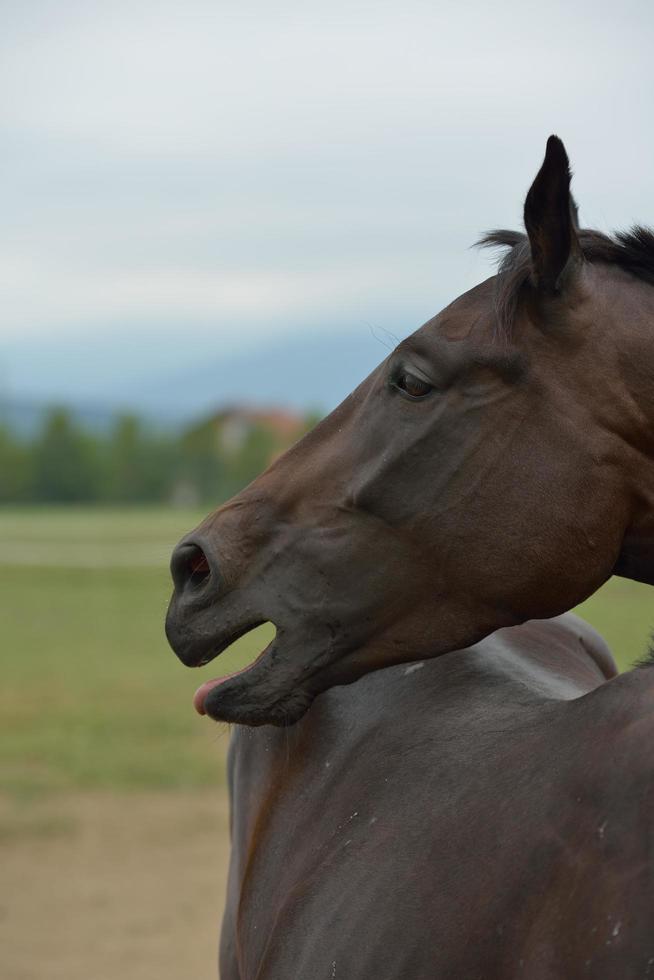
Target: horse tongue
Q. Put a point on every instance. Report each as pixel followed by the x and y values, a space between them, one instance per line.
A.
pixel 202 691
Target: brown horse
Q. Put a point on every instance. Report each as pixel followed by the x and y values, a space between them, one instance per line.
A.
pixel 486 815
pixel 497 467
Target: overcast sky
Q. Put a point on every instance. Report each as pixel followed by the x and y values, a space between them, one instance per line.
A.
pixel 240 168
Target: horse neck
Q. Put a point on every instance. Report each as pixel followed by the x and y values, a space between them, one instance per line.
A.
pixel 636 560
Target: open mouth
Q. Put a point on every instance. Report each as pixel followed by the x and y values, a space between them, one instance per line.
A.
pixel 235 649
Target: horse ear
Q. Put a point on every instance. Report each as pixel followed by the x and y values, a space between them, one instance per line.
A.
pixel 551 220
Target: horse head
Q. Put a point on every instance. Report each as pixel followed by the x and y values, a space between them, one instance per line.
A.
pixel 496 467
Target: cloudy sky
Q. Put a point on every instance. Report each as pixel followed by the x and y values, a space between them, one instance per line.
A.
pixel 182 174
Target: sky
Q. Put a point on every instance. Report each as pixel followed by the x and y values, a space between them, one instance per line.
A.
pixel 189 180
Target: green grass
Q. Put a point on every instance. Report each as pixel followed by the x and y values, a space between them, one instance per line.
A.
pixel 623 612
pixel 91 694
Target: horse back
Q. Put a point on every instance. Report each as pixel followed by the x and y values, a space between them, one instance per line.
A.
pixel 477 818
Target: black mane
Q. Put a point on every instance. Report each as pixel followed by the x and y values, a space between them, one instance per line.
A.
pixel 647 660
pixel 631 250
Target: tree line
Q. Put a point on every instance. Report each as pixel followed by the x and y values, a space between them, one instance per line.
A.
pixel 132 463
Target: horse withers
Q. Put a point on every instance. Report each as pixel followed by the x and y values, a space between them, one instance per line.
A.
pixel 496 467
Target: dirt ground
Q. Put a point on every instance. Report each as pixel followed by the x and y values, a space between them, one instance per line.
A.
pixel 102 886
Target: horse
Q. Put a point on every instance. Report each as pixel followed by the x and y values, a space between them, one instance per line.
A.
pixel 484 815
pixel 497 467
pixel 477 804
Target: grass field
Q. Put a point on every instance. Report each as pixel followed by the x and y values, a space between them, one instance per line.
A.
pixel 113 809
pixel 92 696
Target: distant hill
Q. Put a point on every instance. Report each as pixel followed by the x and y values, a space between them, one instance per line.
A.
pixel 190 379
pixel 25 417
pixel 300 372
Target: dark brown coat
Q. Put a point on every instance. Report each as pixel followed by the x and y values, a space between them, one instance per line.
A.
pixel 487 815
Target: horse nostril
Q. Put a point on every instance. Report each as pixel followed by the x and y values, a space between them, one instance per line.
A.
pixel 198 567
pixel 190 567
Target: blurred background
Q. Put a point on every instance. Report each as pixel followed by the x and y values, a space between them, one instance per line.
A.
pixel 216 220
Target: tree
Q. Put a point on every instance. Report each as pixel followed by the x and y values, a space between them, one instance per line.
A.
pixel 137 463
pixel 15 469
pixel 65 463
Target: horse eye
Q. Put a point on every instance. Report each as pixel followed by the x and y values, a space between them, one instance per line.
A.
pixel 413 386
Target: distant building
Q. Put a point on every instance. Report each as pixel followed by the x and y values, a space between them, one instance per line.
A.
pixel 225 451
pixel 233 426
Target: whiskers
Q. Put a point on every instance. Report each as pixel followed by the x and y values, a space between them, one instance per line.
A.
pixel 388 340
pixel 222 730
